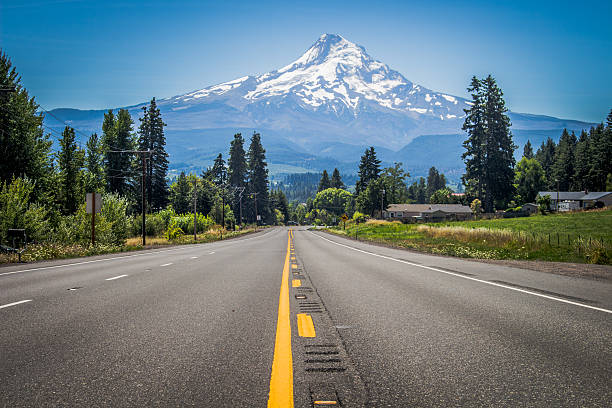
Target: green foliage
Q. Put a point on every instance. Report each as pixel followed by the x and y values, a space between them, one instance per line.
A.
pixel 16 210
pixel 334 200
pixel 563 166
pixel 372 199
pixel 70 160
pixel 336 180
pixel 394 180
pixel 24 150
pixel 476 206
pixel 528 150
pixel 529 179
pixel 546 156
pixel 94 172
pixel 359 217
pixel 543 204
pixel 324 183
pixel 568 237
pixel 181 198
pixel 279 217
pixel 258 180
pixel 442 196
pixel 489 147
pixel 369 170
pixel 174 232
pixel 435 182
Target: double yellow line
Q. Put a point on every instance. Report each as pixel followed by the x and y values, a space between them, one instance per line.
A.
pixel 281 381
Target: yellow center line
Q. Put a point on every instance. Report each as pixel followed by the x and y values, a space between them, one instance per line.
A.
pixel 296 283
pixel 281 380
pixel 305 325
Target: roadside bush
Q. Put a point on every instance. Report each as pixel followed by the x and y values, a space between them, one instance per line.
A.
pixel 174 232
pixel 359 217
pixel 16 211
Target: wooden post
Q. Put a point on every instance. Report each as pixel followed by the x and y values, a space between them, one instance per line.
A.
pixel 93 218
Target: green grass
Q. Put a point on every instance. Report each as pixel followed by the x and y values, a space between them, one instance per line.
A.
pixel 49 251
pixel 584 237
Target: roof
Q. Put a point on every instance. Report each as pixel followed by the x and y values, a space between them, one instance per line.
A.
pixel 428 208
pixel 575 195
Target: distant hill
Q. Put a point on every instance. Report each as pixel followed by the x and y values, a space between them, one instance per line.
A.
pixel 320 112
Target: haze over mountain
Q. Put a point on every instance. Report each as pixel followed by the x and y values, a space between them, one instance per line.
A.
pixel 321 111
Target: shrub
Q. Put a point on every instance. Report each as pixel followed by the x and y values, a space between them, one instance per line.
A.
pixel 359 217
pixel 174 232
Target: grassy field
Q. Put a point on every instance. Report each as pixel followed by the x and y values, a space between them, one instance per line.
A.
pixel 48 251
pixel 584 237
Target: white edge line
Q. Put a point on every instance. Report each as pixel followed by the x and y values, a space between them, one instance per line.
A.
pixel 166 264
pixel 470 278
pixel 116 277
pixel 15 303
pixel 182 247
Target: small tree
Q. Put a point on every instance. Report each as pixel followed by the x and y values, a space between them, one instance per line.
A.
pixel 476 206
pixel 543 204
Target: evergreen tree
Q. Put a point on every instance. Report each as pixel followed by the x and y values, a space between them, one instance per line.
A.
pixel 474 156
pixel 369 170
pixel 151 137
pixel 94 175
pixel 70 161
pixel 336 180
pixel 563 166
pixel 546 156
pixel 435 182
pixel 109 158
pixel 218 172
pixel 582 163
pixel 180 195
pixel 24 149
pixel 257 179
pixel 489 147
pixel 528 150
pixel 600 154
pixel 237 169
pixel 124 162
pixel 324 183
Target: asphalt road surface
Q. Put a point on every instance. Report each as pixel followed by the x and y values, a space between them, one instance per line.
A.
pixel 300 318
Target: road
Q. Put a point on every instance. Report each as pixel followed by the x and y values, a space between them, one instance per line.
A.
pixel 300 318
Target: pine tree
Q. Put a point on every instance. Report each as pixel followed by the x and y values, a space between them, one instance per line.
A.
pixel 435 182
pixel 109 158
pixel 180 195
pixel 237 170
pixel 158 169
pixel 24 149
pixel 123 165
pixel 582 163
pixel 369 170
pixel 600 153
pixel 563 166
pixel 257 179
pixel 546 156
pixel 489 147
pixel 70 161
pixel 94 175
pixel 324 183
pixel 336 180
pixel 219 172
pixel 528 150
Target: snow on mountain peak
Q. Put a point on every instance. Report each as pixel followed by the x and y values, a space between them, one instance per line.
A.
pixel 338 76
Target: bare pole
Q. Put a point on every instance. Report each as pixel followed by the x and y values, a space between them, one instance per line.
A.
pixel 93 218
pixel 195 209
pixel 143 154
pixel 144 205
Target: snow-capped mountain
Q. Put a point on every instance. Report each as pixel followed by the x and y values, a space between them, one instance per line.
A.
pixel 321 110
pixel 333 87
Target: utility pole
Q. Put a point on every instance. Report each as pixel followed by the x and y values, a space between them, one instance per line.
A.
pixel 557 204
pixel 240 191
pixel 254 195
pixel 195 204
pixel 143 154
pixel 382 198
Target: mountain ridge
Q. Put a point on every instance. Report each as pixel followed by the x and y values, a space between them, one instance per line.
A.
pixel 334 94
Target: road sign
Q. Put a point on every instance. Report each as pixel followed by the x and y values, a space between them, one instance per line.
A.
pixel 98 202
pixel 259 218
pixel 344 217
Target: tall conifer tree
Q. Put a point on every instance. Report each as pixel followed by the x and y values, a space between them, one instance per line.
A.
pixel 324 183
pixel 336 180
pixel 563 167
pixel 258 179
pixel 70 161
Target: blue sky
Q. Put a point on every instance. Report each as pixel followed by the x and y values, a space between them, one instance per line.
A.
pixel 549 57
